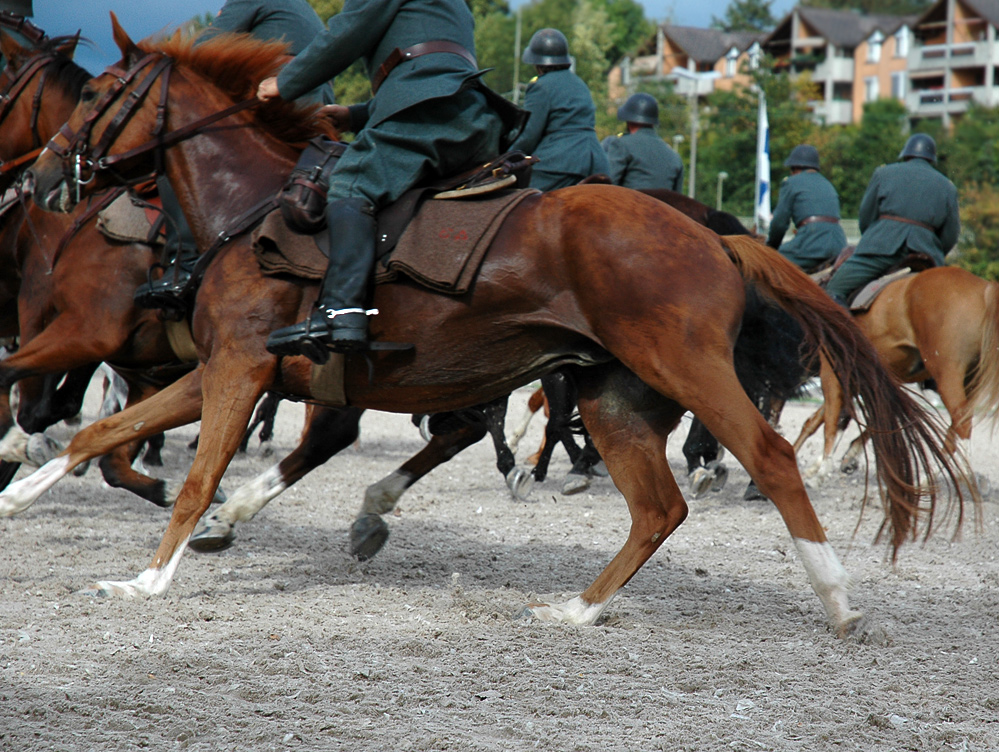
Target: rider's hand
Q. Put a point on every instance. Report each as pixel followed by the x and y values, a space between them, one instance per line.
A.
pixel 268 89
pixel 338 115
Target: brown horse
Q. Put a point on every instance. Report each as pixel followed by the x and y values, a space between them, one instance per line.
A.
pixel 642 301
pixel 71 313
pixel 941 325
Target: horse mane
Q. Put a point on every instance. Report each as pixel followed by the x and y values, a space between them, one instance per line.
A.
pixel 68 74
pixel 236 64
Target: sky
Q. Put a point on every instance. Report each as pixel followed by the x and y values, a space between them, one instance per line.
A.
pixel 140 18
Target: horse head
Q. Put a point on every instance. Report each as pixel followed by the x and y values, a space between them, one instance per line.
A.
pixel 118 132
pixel 38 90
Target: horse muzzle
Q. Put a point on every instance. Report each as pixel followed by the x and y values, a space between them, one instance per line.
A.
pixel 53 198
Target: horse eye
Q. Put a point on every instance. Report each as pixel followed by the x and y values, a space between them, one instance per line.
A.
pixel 88 94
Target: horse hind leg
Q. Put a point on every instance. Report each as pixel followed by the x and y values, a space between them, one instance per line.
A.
pixel 629 424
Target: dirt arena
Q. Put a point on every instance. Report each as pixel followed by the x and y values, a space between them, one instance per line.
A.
pixel 285 642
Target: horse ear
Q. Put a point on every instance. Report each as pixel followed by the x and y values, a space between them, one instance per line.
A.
pixel 11 50
pixel 129 52
pixel 68 47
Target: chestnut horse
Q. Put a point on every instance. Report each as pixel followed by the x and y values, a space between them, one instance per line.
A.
pixel 71 313
pixel 941 324
pixel 642 303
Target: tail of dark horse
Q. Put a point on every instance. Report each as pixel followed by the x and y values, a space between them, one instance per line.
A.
pixel 908 439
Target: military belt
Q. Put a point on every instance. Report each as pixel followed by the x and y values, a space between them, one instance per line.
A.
pixel 817 218
pixel 397 56
pixel 908 221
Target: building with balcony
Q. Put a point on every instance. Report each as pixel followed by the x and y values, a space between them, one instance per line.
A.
pixel 953 59
pixel 851 58
pixel 716 58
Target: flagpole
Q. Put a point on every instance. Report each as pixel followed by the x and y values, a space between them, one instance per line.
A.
pixel 761 212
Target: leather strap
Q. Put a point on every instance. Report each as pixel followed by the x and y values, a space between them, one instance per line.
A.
pixel 908 221
pixel 397 56
pixel 817 218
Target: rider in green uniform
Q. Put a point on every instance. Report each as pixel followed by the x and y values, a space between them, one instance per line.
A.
pixel 640 159
pixel 428 117
pixel 561 129
pixel 811 202
pixel 908 208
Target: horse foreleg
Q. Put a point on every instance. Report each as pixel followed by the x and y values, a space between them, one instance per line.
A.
pixel 264 416
pixel 518 480
pixel 832 406
pixel 629 424
pixel 809 427
pixel 225 413
pixel 369 531
pixel 327 431
pixel 534 403
pixel 177 405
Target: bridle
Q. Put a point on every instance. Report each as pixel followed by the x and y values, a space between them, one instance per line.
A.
pixel 82 161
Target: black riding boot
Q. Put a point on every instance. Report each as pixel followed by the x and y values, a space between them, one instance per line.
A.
pixel 340 321
pixel 171 292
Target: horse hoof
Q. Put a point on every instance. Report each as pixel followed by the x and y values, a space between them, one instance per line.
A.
pixel 752 493
pixel 862 630
pixel 720 473
pixel 367 536
pixel 600 470
pixel 574 484
pixel 850 466
pixel 214 535
pixel 425 428
pixel 80 470
pixel 520 482
pixel 700 482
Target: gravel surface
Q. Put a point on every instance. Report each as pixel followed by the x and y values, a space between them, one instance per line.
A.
pixel 285 642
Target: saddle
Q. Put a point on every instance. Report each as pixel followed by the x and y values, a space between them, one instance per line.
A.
pixel 863 298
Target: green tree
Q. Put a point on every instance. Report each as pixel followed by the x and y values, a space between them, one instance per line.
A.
pixel 971 153
pixel 889 7
pixel 746 15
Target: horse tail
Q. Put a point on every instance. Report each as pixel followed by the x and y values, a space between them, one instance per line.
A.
pixel 983 392
pixel 908 439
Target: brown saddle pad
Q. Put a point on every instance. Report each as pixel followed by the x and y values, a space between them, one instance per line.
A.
pixel 865 297
pixel 441 248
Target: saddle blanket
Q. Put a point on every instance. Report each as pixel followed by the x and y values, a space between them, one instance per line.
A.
pixel 867 294
pixel 125 222
pixel 441 248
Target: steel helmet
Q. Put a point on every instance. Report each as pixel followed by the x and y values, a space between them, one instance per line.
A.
pixel 547 47
pixel 640 108
pixel 920 145
pixel 804 156
pixel 20 7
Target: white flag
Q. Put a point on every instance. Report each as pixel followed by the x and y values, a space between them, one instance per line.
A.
pixel 763 213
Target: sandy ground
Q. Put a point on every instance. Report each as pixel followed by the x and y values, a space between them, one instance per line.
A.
pixel 285 642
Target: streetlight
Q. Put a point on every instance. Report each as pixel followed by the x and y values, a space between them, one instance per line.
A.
pixel 695 78
pixel 722 176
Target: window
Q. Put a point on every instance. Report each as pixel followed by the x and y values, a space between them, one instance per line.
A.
pixel 870 88
pixel 898 85
pixel 874 42
pixel 754 56
pixel 902 42
pixel 731 63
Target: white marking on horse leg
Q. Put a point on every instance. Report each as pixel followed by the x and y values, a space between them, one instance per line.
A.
pixel 829 581
pixel 518 433
pixel 574 611
pixel 20 495
pixel 42 448
pixel 251 497
pixel 150 582
pixel 381 497
pixel 14 446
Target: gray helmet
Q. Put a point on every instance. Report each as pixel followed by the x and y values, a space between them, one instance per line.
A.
pixel 640 108
pixel 804 156
pixel 547 47
pixel 920 145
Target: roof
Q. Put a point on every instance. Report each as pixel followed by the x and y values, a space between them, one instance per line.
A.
pixel 846 28
pixel 987 9
pixel 709 45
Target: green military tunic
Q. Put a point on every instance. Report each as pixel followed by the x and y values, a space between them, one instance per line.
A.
pixel 292 21
pixel 642 160
pixel 912 190
pixel 428 119
pixel 561 131
pixel 807 194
